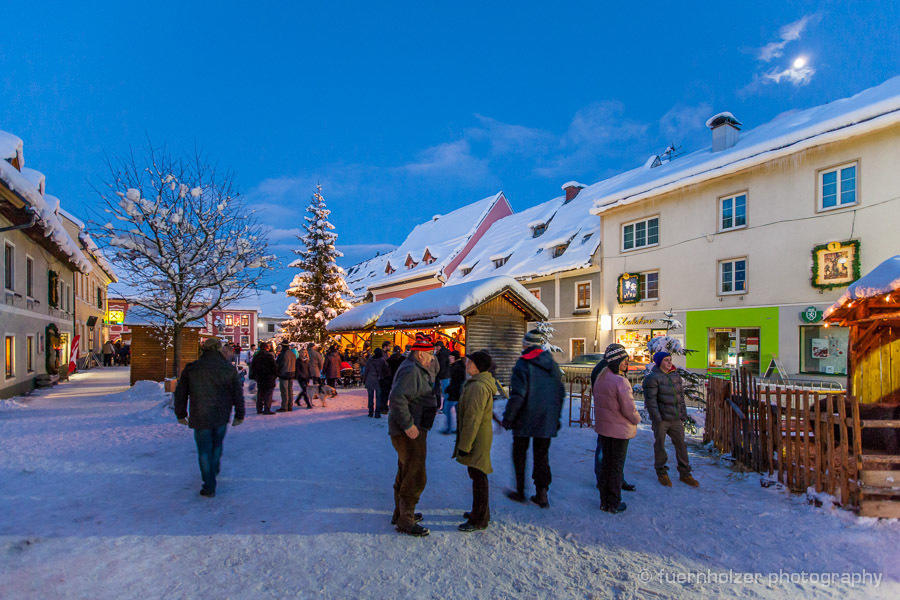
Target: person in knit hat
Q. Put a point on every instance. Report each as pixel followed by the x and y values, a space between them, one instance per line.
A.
pixel 664 401
pixel 413 406
pixel 615 421
pixel 536 395
pixel 616 349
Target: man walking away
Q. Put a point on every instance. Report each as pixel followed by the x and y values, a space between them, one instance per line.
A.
pixel 303 370
pixel 286 367
pixel 443 377
pixel 376 370
pixel 207 390
pixel 664 401
pixel 316 364
pixel 455 381
pixel 536 397
pixel 264 372
pixel 413 406
pixel 393 363
pixel 108 350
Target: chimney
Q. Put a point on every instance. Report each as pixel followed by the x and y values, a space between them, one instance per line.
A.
pixel 572 188
pixel 725 130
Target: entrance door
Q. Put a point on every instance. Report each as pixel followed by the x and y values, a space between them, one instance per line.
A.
pixel 748 348
pixel 734 347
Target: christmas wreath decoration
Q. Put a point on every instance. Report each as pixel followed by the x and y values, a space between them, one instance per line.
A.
pixel 817 267
pixel 629 288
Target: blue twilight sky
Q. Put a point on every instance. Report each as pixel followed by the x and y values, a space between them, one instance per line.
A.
pixel 404 110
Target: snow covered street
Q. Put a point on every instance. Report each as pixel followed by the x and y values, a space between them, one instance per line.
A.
pixel 99 498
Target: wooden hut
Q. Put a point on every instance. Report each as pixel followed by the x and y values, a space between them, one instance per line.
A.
pixel 871 309
pixel 490 314
pixel 152 358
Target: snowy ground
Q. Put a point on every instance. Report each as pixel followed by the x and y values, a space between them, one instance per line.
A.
pixel 98 496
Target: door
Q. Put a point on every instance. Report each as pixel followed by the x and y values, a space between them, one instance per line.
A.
pixel 748 348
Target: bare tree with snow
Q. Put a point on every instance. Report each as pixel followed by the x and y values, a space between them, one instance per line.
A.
pixel 180 234
pixel 319 287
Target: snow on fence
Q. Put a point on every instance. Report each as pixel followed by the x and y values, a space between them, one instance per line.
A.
pixel 807 439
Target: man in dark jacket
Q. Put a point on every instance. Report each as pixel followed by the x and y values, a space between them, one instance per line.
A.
pixel 443 360
pixel 206 391
pixel 264 372
pixel 376 370
pixel 456 377
pixel 302 374
pixel 664 401
pixel 286 367
pixel 536 396
pixel 413 406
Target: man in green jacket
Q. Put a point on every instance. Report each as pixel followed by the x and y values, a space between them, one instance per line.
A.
pixel 413 405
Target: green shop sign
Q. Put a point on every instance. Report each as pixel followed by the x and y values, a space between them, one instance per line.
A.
pixel 811 315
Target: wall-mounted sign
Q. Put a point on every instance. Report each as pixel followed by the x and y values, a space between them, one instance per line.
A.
pixel 811 314
pixel 635 321
pixel 629 289
pixel 835 264
pixel 115 316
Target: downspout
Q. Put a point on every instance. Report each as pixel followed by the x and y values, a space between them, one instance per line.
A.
pixel 29 211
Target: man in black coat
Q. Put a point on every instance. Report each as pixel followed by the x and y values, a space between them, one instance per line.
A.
pixel 452 387
pixel 286 368
pixel 536 396
pixel 263 372
pixel 207 390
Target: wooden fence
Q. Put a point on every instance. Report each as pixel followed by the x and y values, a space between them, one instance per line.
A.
pixel 804 439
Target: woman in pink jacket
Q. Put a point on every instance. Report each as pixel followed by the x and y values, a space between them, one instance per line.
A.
pixel 615 421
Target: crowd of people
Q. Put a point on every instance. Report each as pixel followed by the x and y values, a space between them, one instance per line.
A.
pixel 116 353
pixel 411 386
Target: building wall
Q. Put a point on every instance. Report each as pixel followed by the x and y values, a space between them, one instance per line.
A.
pixel 784 225
pixel 241 331
pixel 405 292
pixel 264 326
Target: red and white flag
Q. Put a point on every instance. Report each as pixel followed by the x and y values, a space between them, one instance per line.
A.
pixel 73 356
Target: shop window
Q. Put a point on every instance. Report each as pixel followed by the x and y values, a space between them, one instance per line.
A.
pixel 635 342
pixel 823 350
pixel 649 285
pixel 229 320
pixel 245 340
pixel 9 353
pixel 245 320
pixel 733 276
pixel 536 292
pixel 640 234
pixel 29 277
pixel 576 346
pixel 271 328
pixel 29 353
pixel 734 347
pixel 583 295
pixel 733 212
pixel 9 266
pixel 837 187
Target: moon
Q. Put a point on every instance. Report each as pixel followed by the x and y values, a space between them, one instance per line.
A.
pixel 799 62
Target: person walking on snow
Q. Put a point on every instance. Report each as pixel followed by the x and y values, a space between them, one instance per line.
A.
pixel 332 369
pixel 286 367
pixel 664 401
pixel 533 411
pixel 376 370
pixel 264 372
pixel 207 390
pixel 108 350
pixel 302 373
pixel 412 411
pixel 476 433
pixel 615 421
pixel 316 364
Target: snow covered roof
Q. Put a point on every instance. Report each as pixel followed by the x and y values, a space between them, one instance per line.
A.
pixel 444 236
pixel 882 280
pixel 569 184
pixel 448 305
pixel 722 117
pixel 788 133
pixel 530 256
pixel 141 316
pixel 360 317
pixel 267 303
pixel 46 209
pixel 10 146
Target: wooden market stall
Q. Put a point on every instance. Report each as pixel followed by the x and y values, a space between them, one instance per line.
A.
pixel 871 309
pixel 488 314
pixel 152 354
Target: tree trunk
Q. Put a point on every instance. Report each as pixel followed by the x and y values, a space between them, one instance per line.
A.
pixel 176 347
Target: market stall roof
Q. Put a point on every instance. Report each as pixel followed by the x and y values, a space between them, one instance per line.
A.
pixel 360 317
pixel 142 317
pixel 449 305
pixel 876 288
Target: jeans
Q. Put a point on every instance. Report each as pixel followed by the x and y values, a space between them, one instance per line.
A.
pixel 449 407
pixel 209 453
pixel 541 471
pixel 287 393
pixel 612 470
pixel 374 391
pixel 675 431
pixel 480 515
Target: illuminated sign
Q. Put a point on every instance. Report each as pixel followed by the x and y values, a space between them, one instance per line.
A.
pixel 115 316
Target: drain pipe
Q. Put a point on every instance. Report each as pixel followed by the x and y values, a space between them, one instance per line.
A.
pixel 30 223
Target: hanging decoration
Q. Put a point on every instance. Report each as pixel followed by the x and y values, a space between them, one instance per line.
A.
pixel 629 288
pixel 835 264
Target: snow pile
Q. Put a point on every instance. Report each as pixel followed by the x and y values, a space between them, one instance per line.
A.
pixel 12 404
pixel 360 317
pixel 446 305
pixel 10 146
pixel 883 279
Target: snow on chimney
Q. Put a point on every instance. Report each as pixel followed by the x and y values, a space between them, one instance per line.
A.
pixel 725 128
pixel 572 188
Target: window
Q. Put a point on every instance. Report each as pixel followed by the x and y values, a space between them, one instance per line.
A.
pixel 245 320
pixel 466 270
pixel 410 263
pixel 229 320
pixel 427 258
pixel 29 277
pixel 640 234
pixel 837 187
pixel 576 347
pixel 538 230
pixel 9 346
pixel 68 298
pixel 649 285
pixel 245 340
pixel 271 328
pixel 9 266
pixel 733 212
pixel 583 294
pixel 389 269
pixel 99 297
pixel 499 262
pixel 733 276
pixel 29 353
pixel 536 292
pixel 559 250
pixel 824 349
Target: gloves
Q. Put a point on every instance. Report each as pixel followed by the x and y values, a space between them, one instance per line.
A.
pixel 236 422
pixel 183 421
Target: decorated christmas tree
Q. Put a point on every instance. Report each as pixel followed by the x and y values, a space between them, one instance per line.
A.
pixel 319 288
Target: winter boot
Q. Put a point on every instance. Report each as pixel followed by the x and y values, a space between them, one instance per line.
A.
pixel 689 479
pixel 516 495
pixel 416 518
pixel 540 498
pixel 416 530
pixel 627 487
pixel 663 479
pixel 620 508
pixel 468 526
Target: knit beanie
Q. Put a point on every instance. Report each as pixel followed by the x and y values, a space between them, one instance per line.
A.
pixel 533 338
pixel 482 360
pixel 659 356
pixel 423 343
pixel 614 355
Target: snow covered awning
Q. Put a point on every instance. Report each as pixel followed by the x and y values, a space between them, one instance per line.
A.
pixel 360 317
pixel 879 283
pixel 449 305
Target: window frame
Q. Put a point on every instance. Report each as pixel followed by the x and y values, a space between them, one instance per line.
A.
pixel 270 328
pixel 643 284
pixel 29 353
pixel 590 294
pixel 820 187
pixel 9 357
pixel 29 276
pixel 720 211
pixel 646 220
pixel 228 320
pixel 245 320
pixel 572 340
pixel 536 295
pixel 12 266
pixel 719 269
